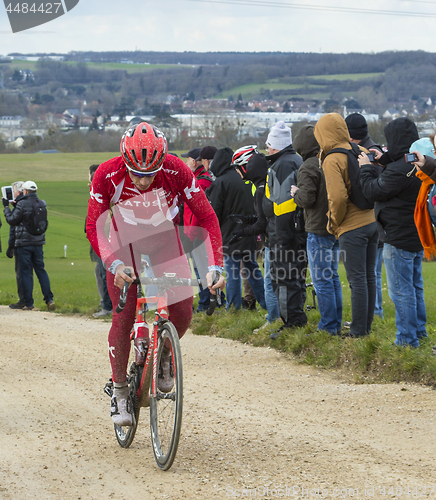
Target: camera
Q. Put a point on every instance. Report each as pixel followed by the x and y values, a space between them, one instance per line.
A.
pixel 409 157
pixel 371 157
pixel 8 193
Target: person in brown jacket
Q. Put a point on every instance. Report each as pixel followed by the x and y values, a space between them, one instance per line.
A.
pixel 322 247
pixel 355 228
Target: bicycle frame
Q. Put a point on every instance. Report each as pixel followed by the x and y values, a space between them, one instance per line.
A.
pixel 161 316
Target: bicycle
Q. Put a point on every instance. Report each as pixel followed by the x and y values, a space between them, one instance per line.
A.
pixel 165 407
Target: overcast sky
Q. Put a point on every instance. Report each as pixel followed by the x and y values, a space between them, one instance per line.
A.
pixel 227 25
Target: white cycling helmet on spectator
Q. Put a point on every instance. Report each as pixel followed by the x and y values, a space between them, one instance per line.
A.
pixel 242 155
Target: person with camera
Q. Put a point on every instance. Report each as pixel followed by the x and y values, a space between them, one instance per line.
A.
pixel 394 192
pixel 28 244
pixel 17 190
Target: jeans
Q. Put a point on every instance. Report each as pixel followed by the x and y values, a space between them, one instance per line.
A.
pixel 232 266
pixel 379 290
pixel 28 257
pixel 106 300
pixel 272 302
pixel 203 295
pixel 359 248
pixel 406 289
pixel 323 255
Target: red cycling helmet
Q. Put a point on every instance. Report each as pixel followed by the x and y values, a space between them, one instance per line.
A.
pixel 143 148
pixel 242 155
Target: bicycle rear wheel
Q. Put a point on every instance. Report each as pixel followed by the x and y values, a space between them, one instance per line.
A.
pixel 166 408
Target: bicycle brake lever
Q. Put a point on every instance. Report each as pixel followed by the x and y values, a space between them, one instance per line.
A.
pixel 123 295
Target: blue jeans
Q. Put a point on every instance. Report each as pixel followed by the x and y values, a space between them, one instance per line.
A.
pixel 272 302
pixel 232 265
pixel 323 255
pixel 203 295
pixel 359 248
pixel 28 257
pixel 406 289
pixel 378 277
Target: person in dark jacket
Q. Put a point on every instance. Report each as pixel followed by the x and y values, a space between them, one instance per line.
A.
pixel 358 130
pixel 286 239
pixel 17 188
pixel 322 247
pixel 29 246
pixel 256 171
pixel 228 194
pixel 394 192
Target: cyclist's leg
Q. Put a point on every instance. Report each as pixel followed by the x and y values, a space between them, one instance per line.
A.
pixel 119 333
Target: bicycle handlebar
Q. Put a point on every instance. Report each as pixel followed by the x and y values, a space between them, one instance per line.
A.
pixel 166 281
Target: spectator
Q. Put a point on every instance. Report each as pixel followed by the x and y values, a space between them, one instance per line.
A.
pixel 355 228
pixel 17 188
pixel 100 270
pixel 192 228
pixel 255 170
pixel 206 156
pixel 358 130
pixel 322 247
pixel 286 239
pixel 29 246
pixel 230 195
pixel 395 191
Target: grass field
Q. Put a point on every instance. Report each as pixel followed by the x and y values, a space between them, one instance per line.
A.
pixel 311 88
pixel 129 68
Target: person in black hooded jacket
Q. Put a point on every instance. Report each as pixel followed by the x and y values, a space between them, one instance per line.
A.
pixel 256 171
pixel 394 192
pixel 228 194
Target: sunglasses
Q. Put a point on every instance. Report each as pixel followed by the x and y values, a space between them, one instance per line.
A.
pixel 143 174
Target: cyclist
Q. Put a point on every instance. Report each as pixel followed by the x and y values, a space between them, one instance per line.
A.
pixel 141 190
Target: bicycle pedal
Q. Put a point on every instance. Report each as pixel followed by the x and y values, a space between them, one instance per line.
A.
pixel 109 388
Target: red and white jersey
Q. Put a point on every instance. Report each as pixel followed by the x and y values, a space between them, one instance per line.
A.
pixel 144 212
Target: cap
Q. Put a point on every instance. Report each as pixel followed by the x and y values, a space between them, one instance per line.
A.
pixel 192 153
pixel 207 153
pixel 357 126
pixel 30 186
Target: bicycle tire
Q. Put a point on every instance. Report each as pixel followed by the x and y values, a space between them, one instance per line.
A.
pixel 166 408
pixel 126 434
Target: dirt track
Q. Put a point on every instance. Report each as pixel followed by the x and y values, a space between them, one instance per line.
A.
pixel 253 419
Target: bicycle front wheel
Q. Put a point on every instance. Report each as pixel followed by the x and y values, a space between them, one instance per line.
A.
pixel 166 407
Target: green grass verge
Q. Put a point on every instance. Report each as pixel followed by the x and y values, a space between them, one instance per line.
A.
pixel 366 360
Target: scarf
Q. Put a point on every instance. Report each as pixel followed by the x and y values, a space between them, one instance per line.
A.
pixel 422 217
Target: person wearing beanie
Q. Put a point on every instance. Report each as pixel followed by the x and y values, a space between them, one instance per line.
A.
pixel 358 130
pixel 286 239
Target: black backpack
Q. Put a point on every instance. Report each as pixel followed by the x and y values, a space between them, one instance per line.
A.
pixel 37 222
pixel 356 195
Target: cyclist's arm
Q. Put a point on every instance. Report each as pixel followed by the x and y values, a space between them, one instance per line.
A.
pixel 102 189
